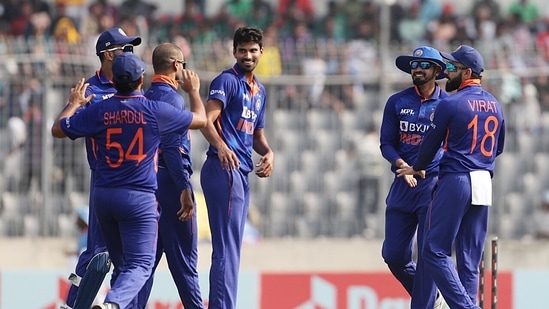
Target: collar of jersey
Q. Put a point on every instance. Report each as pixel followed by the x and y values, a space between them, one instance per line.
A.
pixel 133 94
pixel 434 96
pixel 238 71
pixel 160 78
pixel 469 82
pixel 102 78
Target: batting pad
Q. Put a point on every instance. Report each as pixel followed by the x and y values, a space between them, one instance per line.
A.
pixel 96 271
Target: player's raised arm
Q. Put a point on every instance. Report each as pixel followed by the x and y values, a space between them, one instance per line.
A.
pixel 77 98
pixel 191 85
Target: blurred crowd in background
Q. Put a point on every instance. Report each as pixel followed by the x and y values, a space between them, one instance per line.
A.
pixel 327 81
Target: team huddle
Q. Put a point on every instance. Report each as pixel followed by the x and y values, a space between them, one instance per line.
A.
pixel 442 149
pixel 138 148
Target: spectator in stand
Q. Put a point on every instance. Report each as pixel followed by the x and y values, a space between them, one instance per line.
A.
pixel 411 28
pixel 492 6
pixel 261 16
pixel 238 9
pixel 396 14
pixel 443 30
pixel 98 19
pixel 63 27
pixel 223 22
pixel 522 39
pixel 542 39
pixel 333 25
pixel 33 98
pixel 484 22
pixel 527 11
pixel 40 6
pixel 352 9
pixel 20 21
pixel 295 46
pixel 271 62
pixel 185 25
pixel 130 8
pixel 291 12
pixel 429 10
pixel 369 21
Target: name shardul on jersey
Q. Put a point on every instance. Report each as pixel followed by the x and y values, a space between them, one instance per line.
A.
pixel 124 116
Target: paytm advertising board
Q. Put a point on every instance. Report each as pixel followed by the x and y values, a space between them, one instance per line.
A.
pixel 365 290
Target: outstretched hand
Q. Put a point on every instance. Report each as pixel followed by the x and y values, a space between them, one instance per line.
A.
pixel 78 93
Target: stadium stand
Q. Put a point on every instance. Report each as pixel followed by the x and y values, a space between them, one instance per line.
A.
pixel 327 164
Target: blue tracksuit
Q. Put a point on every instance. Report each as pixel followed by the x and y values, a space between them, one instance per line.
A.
pixel 407 118
pixel 126 131
pixel 178 239
pixel 227 192
pixel 103 89
pixel 472 127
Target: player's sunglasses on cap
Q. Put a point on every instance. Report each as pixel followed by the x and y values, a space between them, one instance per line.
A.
pixel 422 64
pixel 128 48
pixel 450 67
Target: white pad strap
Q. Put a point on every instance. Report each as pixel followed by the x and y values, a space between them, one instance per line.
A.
pixel 75 279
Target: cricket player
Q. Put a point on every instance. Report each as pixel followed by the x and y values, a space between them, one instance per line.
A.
pixel 177 232
pixel 236 118
pixel 406 120
pixel 126 129
pixel 472 127
pixel 109 45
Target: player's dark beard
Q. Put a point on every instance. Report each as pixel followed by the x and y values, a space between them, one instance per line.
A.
pixel 454 83
pixel 421 81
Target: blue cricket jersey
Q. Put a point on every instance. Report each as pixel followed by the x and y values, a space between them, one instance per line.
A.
pixel 243 113
pixel 126 130
pixel 472 126
pixel 407 118
pixel 103 89
pixel 175 149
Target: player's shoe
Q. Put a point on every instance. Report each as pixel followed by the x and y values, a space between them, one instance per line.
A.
pixel 440 303
pixel 106 306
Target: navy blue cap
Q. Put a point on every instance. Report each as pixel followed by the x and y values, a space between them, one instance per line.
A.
pixel 422 53
pixel 115 36
pixel 127 67
pixel 467 56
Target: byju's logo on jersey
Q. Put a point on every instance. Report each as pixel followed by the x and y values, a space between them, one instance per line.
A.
pixel 404 126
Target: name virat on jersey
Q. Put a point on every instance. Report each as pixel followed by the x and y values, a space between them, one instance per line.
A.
pixel 123 117
pixel 483 106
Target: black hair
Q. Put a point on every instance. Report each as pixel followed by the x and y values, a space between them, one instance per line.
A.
pixel 246 35
pixel 475 75
pixel 126 87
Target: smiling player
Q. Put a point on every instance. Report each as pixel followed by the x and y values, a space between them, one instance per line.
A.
pixel 236 117
pixel 406 120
